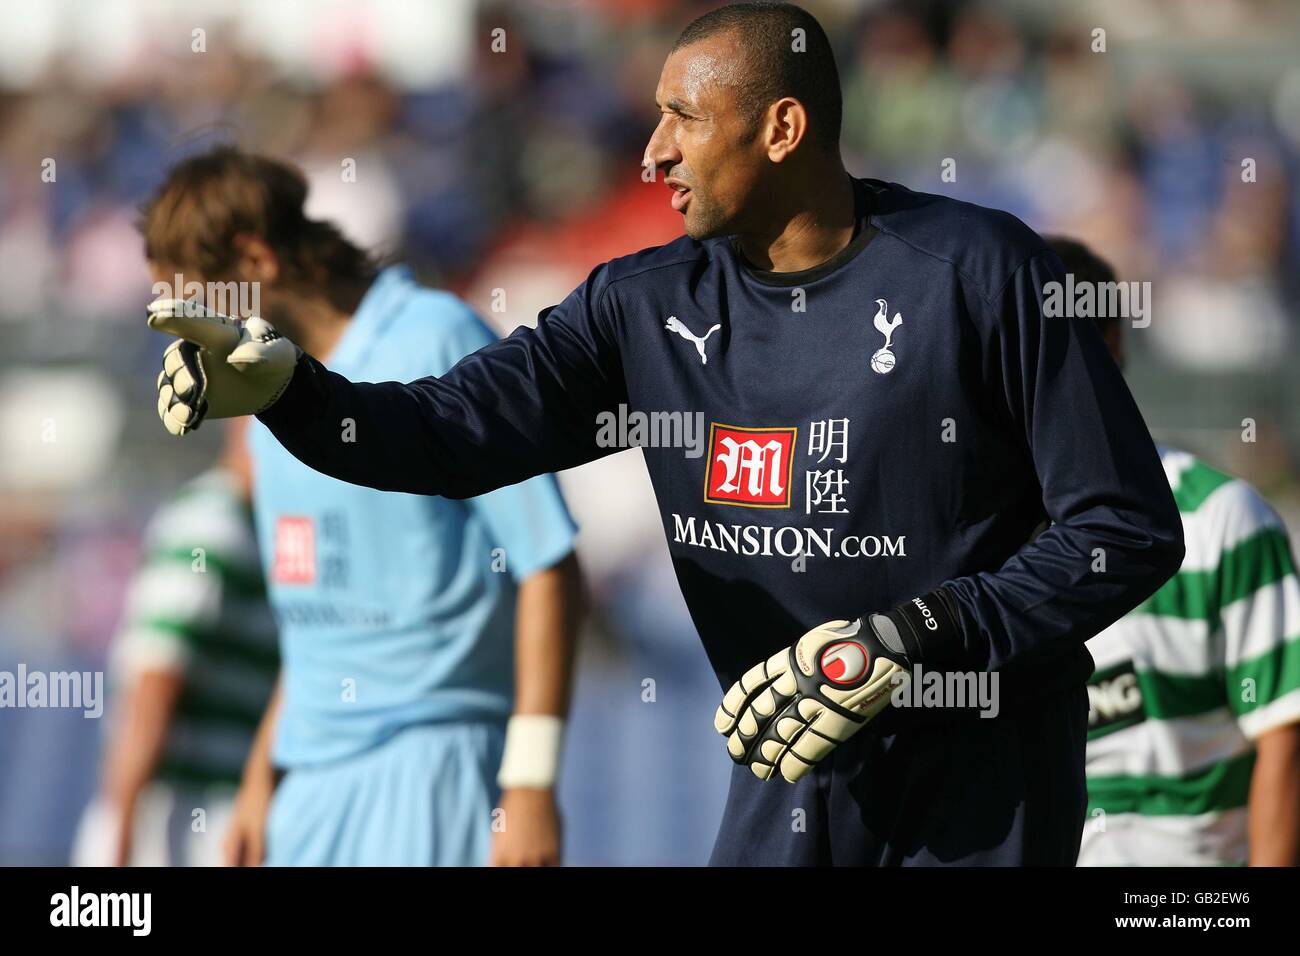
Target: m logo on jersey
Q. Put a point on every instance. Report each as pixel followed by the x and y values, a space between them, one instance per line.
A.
pixel 751 467
pixel 1114 700
pixel 295 551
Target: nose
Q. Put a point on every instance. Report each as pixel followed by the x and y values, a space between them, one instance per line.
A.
pixel 661 152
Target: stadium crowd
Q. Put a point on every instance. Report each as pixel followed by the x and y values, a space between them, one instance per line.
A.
pixel 496 147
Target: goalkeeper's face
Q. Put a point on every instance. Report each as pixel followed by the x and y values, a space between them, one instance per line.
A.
pixel 709 150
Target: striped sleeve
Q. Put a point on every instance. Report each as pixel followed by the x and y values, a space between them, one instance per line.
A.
pixel 167 602
pixel 1257 597
pixel 191 549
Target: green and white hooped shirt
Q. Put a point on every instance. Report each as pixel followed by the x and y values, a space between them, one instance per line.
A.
pixel 197 606
pixel 1187 680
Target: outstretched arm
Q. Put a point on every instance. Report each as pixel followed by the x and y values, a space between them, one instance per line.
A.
pixel 519 407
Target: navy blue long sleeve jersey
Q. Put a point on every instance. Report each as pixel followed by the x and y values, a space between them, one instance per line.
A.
pixel 903 416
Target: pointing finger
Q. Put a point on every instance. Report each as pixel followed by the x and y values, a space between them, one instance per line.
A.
pixel 191 321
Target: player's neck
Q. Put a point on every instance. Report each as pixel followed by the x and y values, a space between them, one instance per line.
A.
pixel 320 319
pixel 809 228
pixel 324 336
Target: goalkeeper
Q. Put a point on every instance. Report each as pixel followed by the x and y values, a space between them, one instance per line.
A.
pixel 893 423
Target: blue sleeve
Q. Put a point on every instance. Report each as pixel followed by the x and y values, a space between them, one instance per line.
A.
pixel 1117 535
pixel 529 520
pixel 519 407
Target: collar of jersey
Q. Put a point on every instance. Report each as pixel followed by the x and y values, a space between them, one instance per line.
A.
pixel 377 308
pixel 863 233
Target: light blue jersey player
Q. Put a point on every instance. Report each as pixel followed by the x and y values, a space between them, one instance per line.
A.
pixel 397 617
pixel 427 643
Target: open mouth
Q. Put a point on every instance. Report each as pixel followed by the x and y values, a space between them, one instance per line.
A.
pixel 681 196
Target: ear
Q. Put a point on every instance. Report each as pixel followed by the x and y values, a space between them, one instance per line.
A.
pixel 785 128
pixel 256 261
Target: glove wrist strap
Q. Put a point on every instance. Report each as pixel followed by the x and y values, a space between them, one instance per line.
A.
pixel 925 629
pixel 302 398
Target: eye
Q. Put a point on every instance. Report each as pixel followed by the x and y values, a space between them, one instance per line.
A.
pixel 675 114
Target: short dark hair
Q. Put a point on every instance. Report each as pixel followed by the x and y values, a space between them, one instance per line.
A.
pixel 1086 266
pixel 773 68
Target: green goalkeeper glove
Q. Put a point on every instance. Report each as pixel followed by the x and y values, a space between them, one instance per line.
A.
pixel 219 367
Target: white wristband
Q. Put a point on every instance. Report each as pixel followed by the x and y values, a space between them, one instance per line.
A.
pixel 532 751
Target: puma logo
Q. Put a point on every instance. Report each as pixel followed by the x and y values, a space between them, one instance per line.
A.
pixel 675 324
